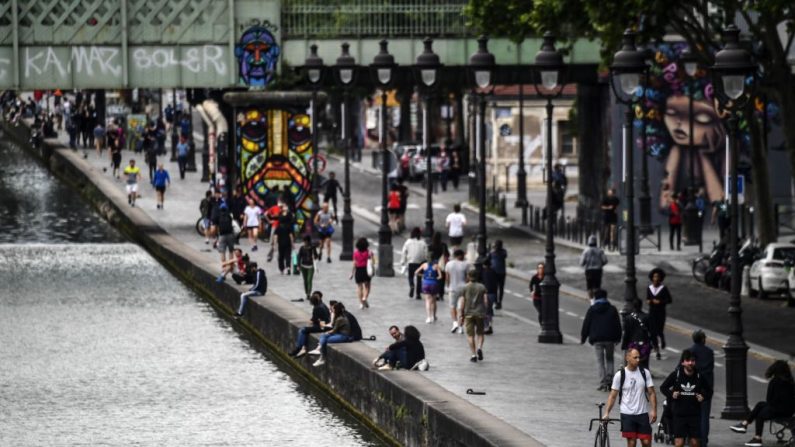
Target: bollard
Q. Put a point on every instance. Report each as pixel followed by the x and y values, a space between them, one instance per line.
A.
pixel 503 210
pixel 746 282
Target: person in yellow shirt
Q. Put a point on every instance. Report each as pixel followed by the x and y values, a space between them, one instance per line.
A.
pixel 133 174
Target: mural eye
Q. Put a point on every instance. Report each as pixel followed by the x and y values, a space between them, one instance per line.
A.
pixel 703 118
pixel 671 112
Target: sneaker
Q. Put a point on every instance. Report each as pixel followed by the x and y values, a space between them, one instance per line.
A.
pixel 480 354
pixel 498 306
pixel 320 362
pixel 237 316
pixel 328 260
pixel 473 359
pixel 300 353
pixel 754 443
pixel 220 279
pixel 315 351
pixel 455 327
pixel 254 248
pixel 378 362
pixel 386 367
pixel 460 330
pixel 428 320
pixel 411 293
pixel 206 241
pixel 361 306
pixel 739 428
pixel 601 388
pixel 488 331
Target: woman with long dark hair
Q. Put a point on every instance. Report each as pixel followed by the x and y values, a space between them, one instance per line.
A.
pixel 407 352
pixel 780 402
pixel 361 256
pixel 658 297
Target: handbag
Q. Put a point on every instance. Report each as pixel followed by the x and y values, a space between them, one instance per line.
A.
pixel 370 266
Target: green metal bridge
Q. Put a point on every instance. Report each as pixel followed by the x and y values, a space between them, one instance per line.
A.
pixel 109 44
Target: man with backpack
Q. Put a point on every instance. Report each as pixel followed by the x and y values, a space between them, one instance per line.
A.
pixel 226 231
pixel 685 390
pixel 602 328
pixel 633 387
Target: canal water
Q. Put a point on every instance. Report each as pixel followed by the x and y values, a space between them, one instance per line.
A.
pixel 100 345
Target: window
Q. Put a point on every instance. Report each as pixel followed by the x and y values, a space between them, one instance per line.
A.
pixel 568 144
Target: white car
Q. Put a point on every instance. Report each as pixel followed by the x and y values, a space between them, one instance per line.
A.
pixel 771 272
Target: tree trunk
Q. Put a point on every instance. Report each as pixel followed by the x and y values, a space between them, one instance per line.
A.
pixel 765 223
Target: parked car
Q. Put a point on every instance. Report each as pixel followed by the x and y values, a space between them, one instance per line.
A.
pixel 404 152
pixel 771 272
pixel 419 162
pixel 393 167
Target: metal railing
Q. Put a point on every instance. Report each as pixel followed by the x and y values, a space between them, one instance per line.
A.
pixel 373 18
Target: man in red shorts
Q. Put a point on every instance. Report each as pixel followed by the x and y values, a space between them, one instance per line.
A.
pixel 637 400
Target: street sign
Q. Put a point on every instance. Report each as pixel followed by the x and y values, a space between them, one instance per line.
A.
pixel 740 189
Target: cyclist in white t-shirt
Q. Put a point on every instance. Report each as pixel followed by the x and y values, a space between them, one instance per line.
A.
pixel 455 226
pixel 637 400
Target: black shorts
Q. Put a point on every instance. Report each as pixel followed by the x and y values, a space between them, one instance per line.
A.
pixel 635 426
pixel 687 427
pixel 160 188
pixel 593 279
pixel 361 276
pixel 456 240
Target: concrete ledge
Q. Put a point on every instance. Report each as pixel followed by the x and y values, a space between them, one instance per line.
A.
pixel 402 407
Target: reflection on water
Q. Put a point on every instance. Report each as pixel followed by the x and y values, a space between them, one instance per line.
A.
pixel 36 207
pixel 101 346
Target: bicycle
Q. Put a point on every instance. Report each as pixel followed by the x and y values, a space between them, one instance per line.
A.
pixel 602 439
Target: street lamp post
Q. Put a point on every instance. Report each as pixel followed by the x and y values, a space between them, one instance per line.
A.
pixel 314 74
pixel 625 76
pixel 549 64
pixel 733 65
pixel 521 176
pixel 482 65
pixel 426 71
pixel 383 67
pixel 345 71
pixel 692 220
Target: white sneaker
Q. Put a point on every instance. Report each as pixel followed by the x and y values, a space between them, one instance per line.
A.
pixel 428 320
pixel 460 330
pixel 315 351
pixel 321 361
pixel 301 353
pixel 455 327
pixel 361 306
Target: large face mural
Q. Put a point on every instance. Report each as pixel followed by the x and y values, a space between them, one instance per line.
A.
pixel 274 149
pixel 257 54
pixel 665 106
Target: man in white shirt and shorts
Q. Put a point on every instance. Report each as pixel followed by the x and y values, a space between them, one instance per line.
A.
pixel 637 400
pixel 456 278
pixel 455 226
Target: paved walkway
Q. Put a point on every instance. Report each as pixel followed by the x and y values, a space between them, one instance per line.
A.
pixel 547 391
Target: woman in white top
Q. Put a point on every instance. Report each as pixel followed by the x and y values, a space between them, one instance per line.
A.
pixel 252 217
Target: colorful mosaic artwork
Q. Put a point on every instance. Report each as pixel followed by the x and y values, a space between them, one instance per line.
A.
pixel 257 55
pixel 274 149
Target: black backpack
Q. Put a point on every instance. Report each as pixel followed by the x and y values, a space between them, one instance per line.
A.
pixel 225 223
pixel 356 330
pixel 621 384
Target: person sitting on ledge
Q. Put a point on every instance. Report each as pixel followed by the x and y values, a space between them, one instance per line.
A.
pixel 340 332
pixel 395 333
pixel 320 318
pixel 237 264
pixel 405 353
pixel 258 289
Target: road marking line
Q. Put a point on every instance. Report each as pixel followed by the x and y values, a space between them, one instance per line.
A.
pixel 508 291
pixel 517 294
pixel 674 350
pixel 571 314
pixel 566 337
pixel 757 379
